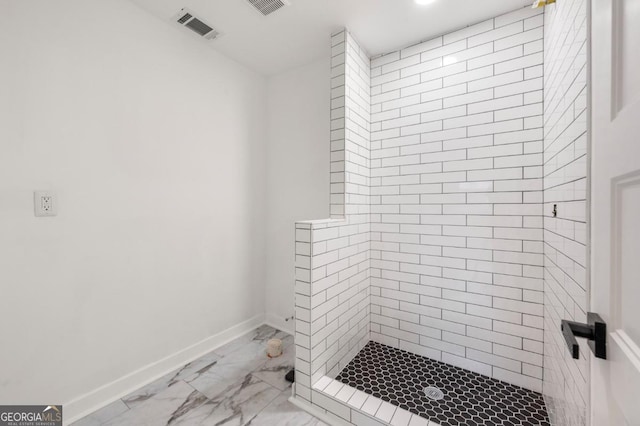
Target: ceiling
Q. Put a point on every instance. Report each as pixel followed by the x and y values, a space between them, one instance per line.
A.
pixel 298 34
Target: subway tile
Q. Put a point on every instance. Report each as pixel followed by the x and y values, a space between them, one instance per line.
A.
pixel 421 47
pixel 518 379
pixel 523 62
pixel 495 360
pixel 517 15
pixel 513 88
pixel 518 306
pixel 456 317
pixel 467 76
pixel 444 93
pixel 517 354
pixel 495 151
pixel 492 336
pixel 443 71
pixel 468 231
pixel 496 104
pixel 420 330
pixel 468 142
pixel 475 164
pixel 442 345
pixel 444 50
pixel 467 297
pixel 399 64
pixel 495 174
pixel 441 114
pixel 467 342
pixel 470 31
pixel 496 34
pixel 467 364
pixel 441 180
pixel 468 120
pixel 495 58
pixel 416 87
pixel 495 81
pixel 467 98
pixel 495 198
pixel 496 128
pixel 517 39
pixel 493 313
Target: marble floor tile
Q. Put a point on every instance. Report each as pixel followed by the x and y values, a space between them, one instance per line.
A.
pixel 211 385
pixel 265 332
pixel 274 370
pixel 164 408
pixel 188 373
pixel 103 415
pixel 234 385
pixel 288 341
pixel 236 406
pixel 242 359
pixel 259 336
pixel 283 413
pixel 242 346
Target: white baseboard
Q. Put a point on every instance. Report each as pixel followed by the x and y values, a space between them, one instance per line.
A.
pixel 104 395
pixel 278 322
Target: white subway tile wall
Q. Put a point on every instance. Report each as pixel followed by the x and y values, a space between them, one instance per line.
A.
pixel 456 198
pixel 446 160
pixel 333 256
pixel 566 381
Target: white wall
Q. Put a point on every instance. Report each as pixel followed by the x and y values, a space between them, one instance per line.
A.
pixel 566 381
pixel 297 173
pixel 155 147
pixel 456 198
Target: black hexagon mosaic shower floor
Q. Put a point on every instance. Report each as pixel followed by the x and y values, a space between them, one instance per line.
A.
pixel 470 399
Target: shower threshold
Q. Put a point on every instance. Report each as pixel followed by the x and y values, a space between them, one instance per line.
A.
pixel 439 392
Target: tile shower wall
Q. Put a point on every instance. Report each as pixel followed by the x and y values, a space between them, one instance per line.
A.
pixel 333 256
pixel 456 198
pixel 566 381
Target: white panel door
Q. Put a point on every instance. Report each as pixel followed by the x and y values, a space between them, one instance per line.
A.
pixel 615 208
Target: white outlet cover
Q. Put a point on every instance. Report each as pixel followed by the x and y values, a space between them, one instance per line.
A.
pixel 45 203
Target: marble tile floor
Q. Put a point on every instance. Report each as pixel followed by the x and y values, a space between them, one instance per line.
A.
pixel 235 385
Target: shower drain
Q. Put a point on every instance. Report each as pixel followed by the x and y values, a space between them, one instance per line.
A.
pixel 433 393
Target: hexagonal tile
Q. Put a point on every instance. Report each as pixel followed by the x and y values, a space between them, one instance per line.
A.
pixel 399 377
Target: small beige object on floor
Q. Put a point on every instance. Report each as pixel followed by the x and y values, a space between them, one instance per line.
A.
pixel 274 348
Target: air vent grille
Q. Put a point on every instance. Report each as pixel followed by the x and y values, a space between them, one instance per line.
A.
pixel 198 26
pixel 186 18
pixel 267 7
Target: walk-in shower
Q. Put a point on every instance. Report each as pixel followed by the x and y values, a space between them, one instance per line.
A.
pixel 423 298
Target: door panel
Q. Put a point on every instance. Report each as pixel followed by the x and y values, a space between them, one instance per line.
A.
pixel 615 208
pixel 625 290
pixel 626 193
pixel 626 61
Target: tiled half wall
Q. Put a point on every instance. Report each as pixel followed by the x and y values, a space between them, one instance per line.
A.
pixel 333 267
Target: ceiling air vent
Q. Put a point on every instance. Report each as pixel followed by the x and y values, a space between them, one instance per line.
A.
pixel 267 7
pixel 186 18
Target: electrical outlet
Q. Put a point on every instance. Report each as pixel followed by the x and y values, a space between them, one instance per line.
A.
pixel 45 203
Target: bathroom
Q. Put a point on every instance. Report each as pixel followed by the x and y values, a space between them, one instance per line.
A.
pixel 404 212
